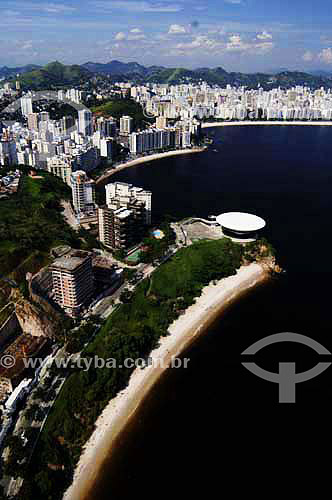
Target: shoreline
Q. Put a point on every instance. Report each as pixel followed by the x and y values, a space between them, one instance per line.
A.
pixel 253 122
pixel 146 159
pixel 183 331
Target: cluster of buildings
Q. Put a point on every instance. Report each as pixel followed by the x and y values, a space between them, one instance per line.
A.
pixel 59 146
pixel 122 224
pixel 69 144
pixel 202 101
pixel 156 139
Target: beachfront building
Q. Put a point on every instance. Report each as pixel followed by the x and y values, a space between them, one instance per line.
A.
pixel 83 192
pixel 73 282
pixel 122 220
pixel 152 140
pixel 123 195
pixel 240 226
pixel 119 229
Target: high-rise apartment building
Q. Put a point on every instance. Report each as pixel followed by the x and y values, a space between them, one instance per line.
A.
pixel 83 192
pixel 122 220
pixel 73 283
pixel 8 152
pixel 85 122
pixel 106 148
pixel 123 195
pixel 161 122
pixel 118 229
pixel 26 105
pixel 106 127
pixel 126 125
pixel 61 167
pixel 33 121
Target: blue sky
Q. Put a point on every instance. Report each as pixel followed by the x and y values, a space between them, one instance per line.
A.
pixel 239 35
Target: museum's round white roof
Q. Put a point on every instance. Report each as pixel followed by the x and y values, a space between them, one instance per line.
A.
pixel 239 221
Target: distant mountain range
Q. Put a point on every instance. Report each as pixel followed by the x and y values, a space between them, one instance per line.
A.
pixel 6 72
pixel 56 74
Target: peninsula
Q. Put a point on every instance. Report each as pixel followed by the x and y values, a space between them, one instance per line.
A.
pixel 165 314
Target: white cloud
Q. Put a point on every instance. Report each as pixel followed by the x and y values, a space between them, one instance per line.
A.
pixel 27 45
pixel 236 44
pixel 175 29
pixel 120 36
pixel 262 48
pixel 138 6
pixel 308 56
pixel 199 42
pixel 135 30
pixel 264 36
pixel 235 2
pixel 52 8
pixel 326 55
pixel 137 37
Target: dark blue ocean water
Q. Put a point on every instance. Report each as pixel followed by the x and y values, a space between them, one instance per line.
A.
pixel 215 427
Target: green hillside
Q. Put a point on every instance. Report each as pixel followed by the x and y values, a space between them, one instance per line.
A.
pixel 119 107
pixel 54 75
pixel 31 224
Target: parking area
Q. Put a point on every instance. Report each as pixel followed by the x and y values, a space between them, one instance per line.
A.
pixel 200 231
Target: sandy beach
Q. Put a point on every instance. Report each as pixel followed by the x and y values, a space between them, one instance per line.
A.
pixel 183 331
pixel 281 122
pixel 146 159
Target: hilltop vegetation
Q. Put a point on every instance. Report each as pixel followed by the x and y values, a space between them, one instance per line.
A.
pixel 54 75
pixel 119 107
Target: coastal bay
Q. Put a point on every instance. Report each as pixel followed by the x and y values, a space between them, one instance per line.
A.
pixel 282 174
pixel 147 159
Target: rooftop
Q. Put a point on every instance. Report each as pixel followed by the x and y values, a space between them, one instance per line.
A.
pixel 240 221
pixel 71 261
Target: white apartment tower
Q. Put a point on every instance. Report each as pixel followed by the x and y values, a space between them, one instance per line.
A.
pixel 26 106
pixel 83 192
pixel 126 125
pixel 122 195
pixel 106 148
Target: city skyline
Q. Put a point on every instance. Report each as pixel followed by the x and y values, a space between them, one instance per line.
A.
pixel 240 35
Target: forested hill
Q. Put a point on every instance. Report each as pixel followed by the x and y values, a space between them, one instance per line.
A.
pixel 56 75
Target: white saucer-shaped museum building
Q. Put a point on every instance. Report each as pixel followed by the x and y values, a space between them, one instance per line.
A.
pixel 240 225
